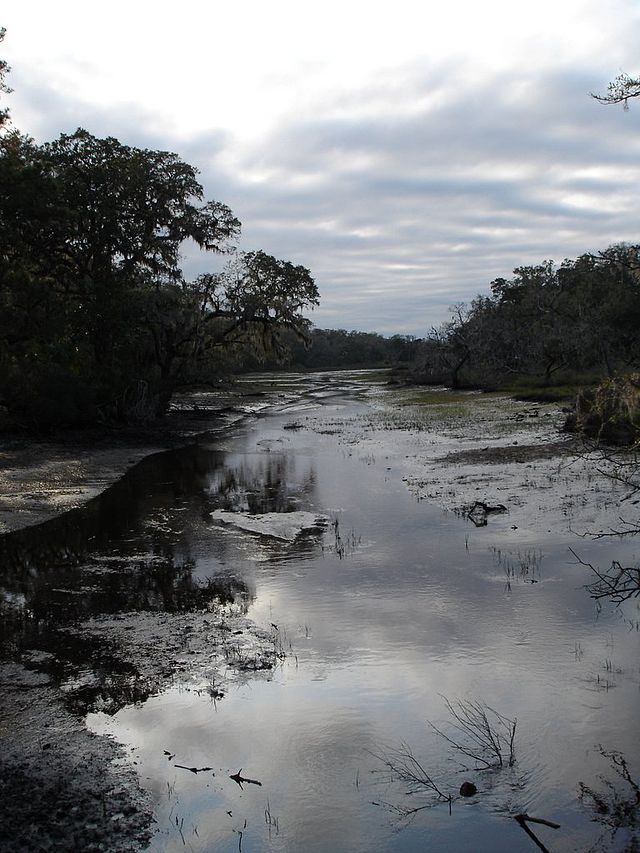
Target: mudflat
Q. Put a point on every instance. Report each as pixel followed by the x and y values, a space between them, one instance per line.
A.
pixel 70 649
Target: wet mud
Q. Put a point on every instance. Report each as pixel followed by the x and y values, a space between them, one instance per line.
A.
pixel 112 591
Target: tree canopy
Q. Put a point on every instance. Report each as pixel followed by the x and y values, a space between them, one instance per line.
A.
pixel 97 320
pixel 4 88
pixel 620 91
pixel 547 321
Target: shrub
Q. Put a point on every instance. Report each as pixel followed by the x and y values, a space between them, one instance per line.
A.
pixel 609 413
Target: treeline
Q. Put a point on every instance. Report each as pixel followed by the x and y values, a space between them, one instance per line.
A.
pixel 99 324
pixel 547 324
pixel 97 321
pixel 325 349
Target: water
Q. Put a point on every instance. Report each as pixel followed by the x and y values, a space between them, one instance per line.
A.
pixel 396 607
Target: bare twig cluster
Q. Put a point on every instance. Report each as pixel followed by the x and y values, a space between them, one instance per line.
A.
pixel 480 733
pixel 617 583
pixel 620 91
pixel 475 731
pixel 401 765
pixel 614 806
pixel 623 467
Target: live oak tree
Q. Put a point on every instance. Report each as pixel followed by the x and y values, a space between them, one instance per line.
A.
pixel 582 317
pixel 243 310
pixel 97 319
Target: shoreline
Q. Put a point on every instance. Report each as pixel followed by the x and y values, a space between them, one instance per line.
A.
pixel 475 447
pixel 42 477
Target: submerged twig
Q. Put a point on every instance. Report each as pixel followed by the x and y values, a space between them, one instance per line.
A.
pixel 618 583
pixel 403 766
pixel 193 769
pixel 237 777
pixel 523 819
pixel 615 807
pixel 489 742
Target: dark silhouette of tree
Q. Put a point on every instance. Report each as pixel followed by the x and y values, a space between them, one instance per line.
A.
pixel 4 88
pixel 543 323
pixel 97 319
pixel 620 91
pixel 244 309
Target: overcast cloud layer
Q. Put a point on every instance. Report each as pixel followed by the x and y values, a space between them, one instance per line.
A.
pixel 407 161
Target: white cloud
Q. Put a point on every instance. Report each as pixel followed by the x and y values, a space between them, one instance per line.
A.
pixel 406 154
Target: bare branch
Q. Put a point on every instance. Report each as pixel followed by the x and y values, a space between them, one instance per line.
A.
pixel 614 806
pixel 483 734
pixel 619 583
pixel 523 819
pixel 402 766
pixel 478 732
pixel 620 91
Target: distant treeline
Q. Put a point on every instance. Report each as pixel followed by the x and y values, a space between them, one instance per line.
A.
pixel 547 324
pixel 98 323
pixel 326 349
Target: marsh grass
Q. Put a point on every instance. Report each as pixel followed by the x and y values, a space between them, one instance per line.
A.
pixel 544 394
pixel 272 822
pixel 378 376
pixel 495 416
pixel 435 397
pixel 520 565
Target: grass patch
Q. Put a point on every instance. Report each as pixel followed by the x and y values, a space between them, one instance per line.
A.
pixel 557 394
pixel 545 393
pixel 379 376
pixel 566 390
pixel 435 397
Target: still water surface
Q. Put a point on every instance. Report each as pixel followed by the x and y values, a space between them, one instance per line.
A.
pixel 395 606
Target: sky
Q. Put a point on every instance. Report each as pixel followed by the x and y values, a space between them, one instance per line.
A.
pixel 407 153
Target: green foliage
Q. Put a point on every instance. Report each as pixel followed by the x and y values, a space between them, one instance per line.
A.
pixel 543 394
pixel 96 319
pixel 337 348
pixel 52 395
pixel 545 326
pixel 433 397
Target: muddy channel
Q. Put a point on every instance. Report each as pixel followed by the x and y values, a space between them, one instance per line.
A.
pixel 278 635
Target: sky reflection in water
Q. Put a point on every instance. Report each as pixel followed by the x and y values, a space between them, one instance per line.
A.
pixel 396 605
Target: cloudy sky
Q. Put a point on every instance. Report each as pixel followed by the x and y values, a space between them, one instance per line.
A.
pixel 407 152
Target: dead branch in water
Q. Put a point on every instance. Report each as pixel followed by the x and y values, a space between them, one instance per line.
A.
pixel 617 805
pixel 523 819
pixel 401 765
pixel 480 732
pixel 239 779
pixel 476 731
pixel 618 583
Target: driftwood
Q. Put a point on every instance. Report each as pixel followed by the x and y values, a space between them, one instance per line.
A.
pixel 523 819
pixel 480 511
pixel 193 769
pixel 237 777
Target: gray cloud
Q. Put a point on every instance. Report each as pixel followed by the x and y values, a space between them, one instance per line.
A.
pixel 413 194
pixel 415 212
